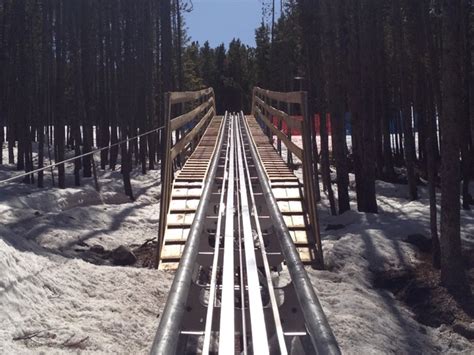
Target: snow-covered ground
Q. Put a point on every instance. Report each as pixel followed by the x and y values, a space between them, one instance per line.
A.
pixel 52 301
pixel 366 319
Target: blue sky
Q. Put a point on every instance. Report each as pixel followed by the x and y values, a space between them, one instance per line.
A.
pixel 219 21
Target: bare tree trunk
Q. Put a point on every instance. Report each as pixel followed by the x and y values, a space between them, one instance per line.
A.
pixel 452 269
pixel 40 155
pixel 467 150
pixel 59 130
pixel 340 154
pixel 126 166
pixel 2 134
pixel 325 163
pixel 405 104
pixel 432 170
pixel 388 170
pixel 361 97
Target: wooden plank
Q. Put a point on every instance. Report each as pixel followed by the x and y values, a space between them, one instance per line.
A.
pixel 189 137
pixel 185 96
pixel 167 265
pixel 180 121
pixel 290 97
pixel 172 251
pixel 186 195
pixel 290 207
pixel 278 179
pixel 299 237
pixel 180 219
pixel 193 192
pixel 289 144
pixel 294 221
pixel 305 254
pixel 187 185
pixel 184 205
pixel 287 192
pixel 176 235
pixel 284 184
pixel 291 122
pixel 191 171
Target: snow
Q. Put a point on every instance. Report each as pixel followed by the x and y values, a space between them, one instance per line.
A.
pixel 46 287
pixel 369 320
pixel 113 309
pixel 365 319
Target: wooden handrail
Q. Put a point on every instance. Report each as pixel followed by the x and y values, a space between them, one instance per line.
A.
pixel 291 122
pixel 180 121
pixel 170 152
pixel 186 96
pixel 262 109
pixel 289 97
pixel 292 147
pixel 183 142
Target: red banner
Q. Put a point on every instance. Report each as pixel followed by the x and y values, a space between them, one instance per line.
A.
pixel 295 132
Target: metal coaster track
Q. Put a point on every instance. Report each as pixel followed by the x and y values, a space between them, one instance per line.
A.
pixel 228 294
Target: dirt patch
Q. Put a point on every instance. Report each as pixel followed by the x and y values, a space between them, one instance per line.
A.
pixel 420 289
pixel 145 254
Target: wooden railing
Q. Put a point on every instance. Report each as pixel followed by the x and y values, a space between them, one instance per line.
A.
pixel 263 109
pixel 204 110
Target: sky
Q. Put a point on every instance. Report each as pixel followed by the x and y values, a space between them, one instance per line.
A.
pixel 219 21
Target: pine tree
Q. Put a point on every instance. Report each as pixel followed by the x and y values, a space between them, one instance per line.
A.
pixel 262 55
pixel 452 270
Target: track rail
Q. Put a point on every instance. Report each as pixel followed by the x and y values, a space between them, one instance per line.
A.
pixel 229 294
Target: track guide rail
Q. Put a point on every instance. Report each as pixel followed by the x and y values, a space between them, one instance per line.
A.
pixel 241 286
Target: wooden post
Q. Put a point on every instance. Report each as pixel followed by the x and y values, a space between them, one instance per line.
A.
pixel 49 156
pixel 94 171
pixel 280 127
pixel 289 156
pixel 179 133
pixel 166 178
pixel 315 159
pixel 254 92
pixel 308 180
pixel 214 101
pixel 268 116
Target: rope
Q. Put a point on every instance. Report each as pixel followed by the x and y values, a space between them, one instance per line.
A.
pixel 80 156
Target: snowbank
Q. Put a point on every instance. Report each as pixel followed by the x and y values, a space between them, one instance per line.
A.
pixel 53 301
pixel 76 305
pixel 366 319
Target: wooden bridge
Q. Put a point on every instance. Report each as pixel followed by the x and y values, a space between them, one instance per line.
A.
pixel 233 219
pixel 181 193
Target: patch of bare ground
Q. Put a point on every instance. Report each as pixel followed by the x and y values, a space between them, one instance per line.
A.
pixel 134 255
pixel 433 305
pixel 145 254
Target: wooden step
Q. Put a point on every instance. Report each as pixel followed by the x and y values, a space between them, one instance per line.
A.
pixel 185 197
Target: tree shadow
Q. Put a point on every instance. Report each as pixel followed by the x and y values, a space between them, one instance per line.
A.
pixel 375 261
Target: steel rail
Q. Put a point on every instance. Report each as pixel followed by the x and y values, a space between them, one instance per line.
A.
pixel 167 335
pixel 316 323
pixel 80 156
pixel 227 319
pixel 257 318
pixel 215 260
pixel 242 284
pixel 271 290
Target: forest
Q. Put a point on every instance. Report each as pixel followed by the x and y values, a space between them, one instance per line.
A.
pixel 397 76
